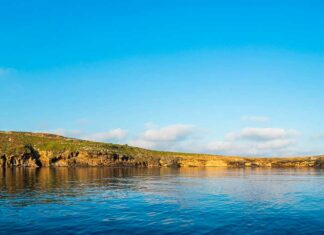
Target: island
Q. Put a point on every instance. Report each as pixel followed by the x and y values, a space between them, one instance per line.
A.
pixel 27 149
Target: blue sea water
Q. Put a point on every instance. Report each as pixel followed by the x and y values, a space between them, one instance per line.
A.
pixel 161 201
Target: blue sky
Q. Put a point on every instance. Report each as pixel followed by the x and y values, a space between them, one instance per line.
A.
pixel 229 77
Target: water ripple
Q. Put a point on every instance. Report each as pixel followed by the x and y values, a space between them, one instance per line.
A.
pixel 162 201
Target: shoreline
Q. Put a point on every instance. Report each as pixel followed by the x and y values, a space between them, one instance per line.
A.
pixel 24 149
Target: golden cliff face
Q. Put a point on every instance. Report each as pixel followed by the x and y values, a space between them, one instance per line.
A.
pixel 35 158
pixel 43 150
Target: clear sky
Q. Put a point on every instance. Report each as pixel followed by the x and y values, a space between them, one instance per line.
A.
pixel 229 77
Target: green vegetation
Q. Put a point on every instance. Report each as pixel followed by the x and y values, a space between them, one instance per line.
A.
pixel 12 142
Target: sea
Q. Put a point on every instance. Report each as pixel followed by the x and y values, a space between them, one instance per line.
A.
pixel 211 200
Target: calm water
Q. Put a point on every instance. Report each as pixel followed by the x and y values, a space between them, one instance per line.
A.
pixel 162 201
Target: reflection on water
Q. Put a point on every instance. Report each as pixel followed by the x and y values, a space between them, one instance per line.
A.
pixel 162 200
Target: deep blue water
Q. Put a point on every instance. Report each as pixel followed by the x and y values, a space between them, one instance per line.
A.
pixel 162 201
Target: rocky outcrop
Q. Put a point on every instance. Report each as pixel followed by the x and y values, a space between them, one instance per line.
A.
pixel 33 158
pixel 319 162
pixel 27 156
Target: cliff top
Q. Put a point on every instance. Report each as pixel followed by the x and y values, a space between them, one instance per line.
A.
pixel 11 142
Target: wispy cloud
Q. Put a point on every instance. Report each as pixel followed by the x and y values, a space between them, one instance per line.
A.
pixel 257 141
pixel 113 135
pixel 165 138
pixel 255 118
pixel 319 136
pixel 261 134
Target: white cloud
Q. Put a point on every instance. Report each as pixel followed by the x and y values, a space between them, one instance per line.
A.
pixel 262 134
pixel 166 138
pixel 116 134
pixel 271 148
pixel 168 133
pixel 257 141
pixel 255 118
pixel 318 137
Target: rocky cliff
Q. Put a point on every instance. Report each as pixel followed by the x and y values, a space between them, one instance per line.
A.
pixel 22 149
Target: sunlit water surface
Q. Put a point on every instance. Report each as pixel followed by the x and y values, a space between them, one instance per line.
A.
pixel 162 201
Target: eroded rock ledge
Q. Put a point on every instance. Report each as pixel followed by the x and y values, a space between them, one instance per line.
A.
pixel 45 150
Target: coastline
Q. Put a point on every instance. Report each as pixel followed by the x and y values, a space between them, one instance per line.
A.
pixel 24 149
